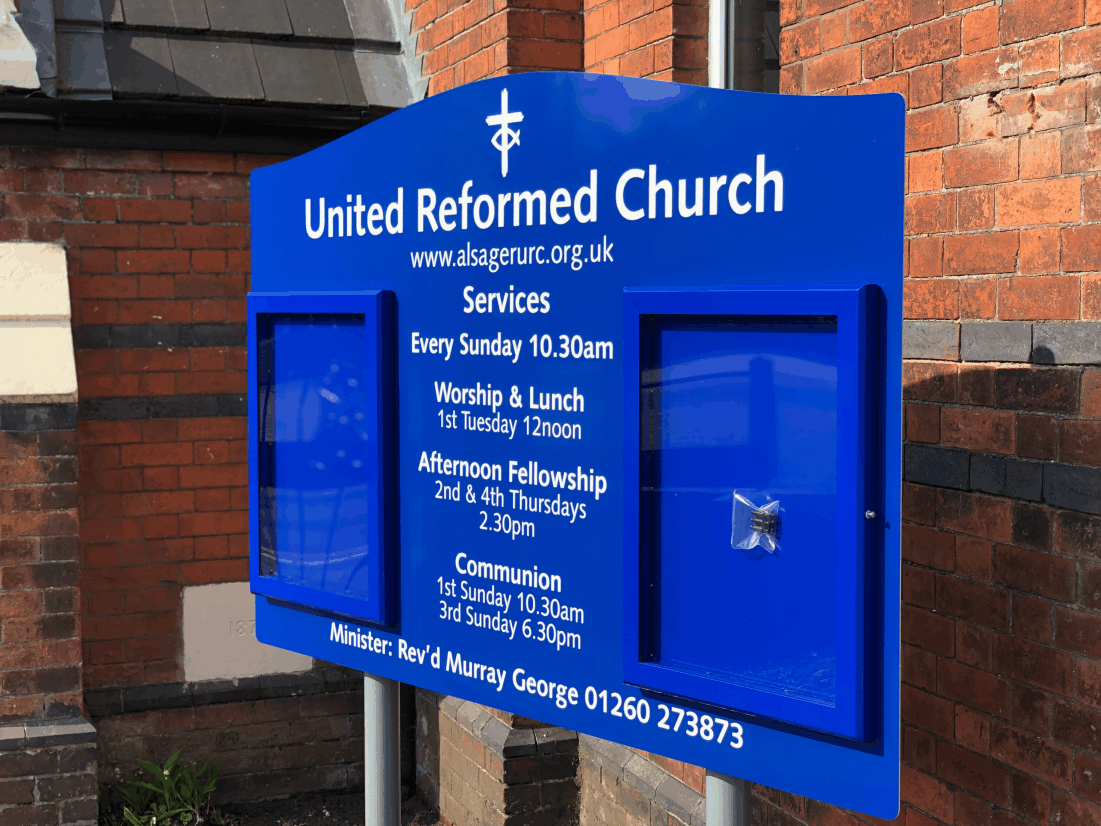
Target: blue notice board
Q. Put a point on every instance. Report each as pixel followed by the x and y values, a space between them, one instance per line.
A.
pixel 580 396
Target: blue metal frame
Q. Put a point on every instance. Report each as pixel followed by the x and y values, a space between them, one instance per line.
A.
pixel 377 308
pixel 854 309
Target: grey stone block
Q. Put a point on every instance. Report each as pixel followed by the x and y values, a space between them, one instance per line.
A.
pixel 677 799
pixel 1075 488
pixel 552 739
pixel 520 742
pixel 699 814
pixel 930 340
pixel 112 410
pixel 12 738
pixel 104 702
pixel 987 473
pixel 1071 342
pixel 146 335
pixel 467 714
pixel 450 706
pixel 611 757
pixel 1024 480
pixel 996 341
pixel 156 697
pixel 338 678
pixel 291 685
pixel 213 335
pixel 60 416
pixel 91 336
pixel 60 733
pixel 641 774
pixel 495 735
pixel 133 336
pixel 480 723
pixel 943 467
pixel 183 407
pixel 210 692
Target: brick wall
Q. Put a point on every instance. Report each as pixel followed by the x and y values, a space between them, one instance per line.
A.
pixel 40 672
pixel 48 773
pixel 153 459
pixel 478 765
pixel 659 39
pixel 625 787
pixel 464 42
pixel 269 736
pixel 1000 623
pixel 157 247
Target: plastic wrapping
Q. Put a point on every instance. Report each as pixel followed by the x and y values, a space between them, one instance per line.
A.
pixel 754 527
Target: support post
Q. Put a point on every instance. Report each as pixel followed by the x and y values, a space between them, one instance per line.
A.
pixel 381 752
pixel 727 800
pixel 717 39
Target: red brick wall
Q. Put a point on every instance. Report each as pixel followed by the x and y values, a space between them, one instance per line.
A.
pixel 464 42
pixel 264 748
pixel 157 247
pixel 1000 624
pixel 659 39
pixel 165 506
pixel 40 673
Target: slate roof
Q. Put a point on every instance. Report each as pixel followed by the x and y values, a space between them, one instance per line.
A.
pixel 317 53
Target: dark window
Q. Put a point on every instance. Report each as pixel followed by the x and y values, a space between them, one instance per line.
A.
pixel 753 45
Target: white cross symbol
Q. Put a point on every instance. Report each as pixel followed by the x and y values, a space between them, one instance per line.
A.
pixel 505 138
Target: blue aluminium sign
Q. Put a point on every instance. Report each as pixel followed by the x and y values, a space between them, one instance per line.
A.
pixel 579 396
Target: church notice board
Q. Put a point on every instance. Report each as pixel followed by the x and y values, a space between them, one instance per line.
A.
pixel 579 396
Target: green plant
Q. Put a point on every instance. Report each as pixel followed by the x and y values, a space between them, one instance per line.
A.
pixel 169 795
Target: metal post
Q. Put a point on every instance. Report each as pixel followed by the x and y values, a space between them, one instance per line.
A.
pixel 381 752
pixel 716 44
pixel 727 800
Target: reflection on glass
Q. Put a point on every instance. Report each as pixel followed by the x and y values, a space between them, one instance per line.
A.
pixel 747 405
pixel 313 471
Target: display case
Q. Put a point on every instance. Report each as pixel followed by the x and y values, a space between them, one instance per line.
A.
pixel 749 500
pixel 321 419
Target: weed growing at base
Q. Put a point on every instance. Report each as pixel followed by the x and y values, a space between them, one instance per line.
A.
pixel 172 795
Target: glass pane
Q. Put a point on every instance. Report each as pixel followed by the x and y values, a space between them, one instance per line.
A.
pixel 748 407
pixel 313 463
pixel 753 42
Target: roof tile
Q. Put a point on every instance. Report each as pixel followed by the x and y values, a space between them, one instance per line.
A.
pixel 88 11
pixel 320 18
pixel 216 67
pixel 172 14
pixel 297 73
pixel 140 63
pixel 349 74
pixel 81 63
pixel 252 16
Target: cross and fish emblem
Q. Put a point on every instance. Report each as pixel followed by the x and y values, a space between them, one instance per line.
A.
pixel 505 137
